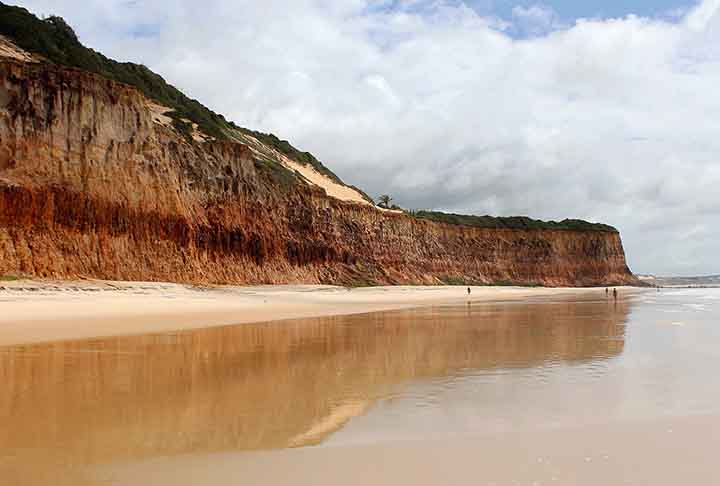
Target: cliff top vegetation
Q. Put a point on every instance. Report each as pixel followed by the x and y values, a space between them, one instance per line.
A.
pixel 511 222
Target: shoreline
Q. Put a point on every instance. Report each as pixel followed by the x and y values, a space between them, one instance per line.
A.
pixel 46 311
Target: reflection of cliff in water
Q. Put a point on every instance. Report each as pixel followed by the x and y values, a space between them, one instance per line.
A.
pixel 271 385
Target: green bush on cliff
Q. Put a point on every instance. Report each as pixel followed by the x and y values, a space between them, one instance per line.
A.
pixel 512 222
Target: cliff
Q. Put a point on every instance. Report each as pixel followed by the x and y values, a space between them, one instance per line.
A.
pixel 95 181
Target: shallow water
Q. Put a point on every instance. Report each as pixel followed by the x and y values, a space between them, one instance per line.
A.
pixel 435 373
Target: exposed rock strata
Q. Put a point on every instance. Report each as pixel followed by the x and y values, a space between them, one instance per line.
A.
pixel 91 186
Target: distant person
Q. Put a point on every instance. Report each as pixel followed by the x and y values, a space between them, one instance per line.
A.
pixel 615 294
pixel 607 292
pixel 469 291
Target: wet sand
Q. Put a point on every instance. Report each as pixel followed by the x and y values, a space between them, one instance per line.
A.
pixel 665 452
pixel 568 390
pixel 273 386
pixel 35 312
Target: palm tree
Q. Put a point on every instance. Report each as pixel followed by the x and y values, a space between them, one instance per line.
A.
pixel 384 201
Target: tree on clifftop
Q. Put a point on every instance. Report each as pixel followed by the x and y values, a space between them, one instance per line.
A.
pixel 384 201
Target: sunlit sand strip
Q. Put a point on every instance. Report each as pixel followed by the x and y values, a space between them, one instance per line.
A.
pixel 51 311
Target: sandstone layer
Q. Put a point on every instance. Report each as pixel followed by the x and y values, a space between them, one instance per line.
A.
pixel 91 185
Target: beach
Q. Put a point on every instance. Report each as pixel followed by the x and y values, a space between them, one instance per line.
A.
pixel 508 386
pixel 665 451
pixel 42 311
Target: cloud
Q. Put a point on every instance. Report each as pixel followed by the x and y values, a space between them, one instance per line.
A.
pixel 700 17
pixel 612 120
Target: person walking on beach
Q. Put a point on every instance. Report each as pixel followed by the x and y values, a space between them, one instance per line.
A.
pixel 615 294
pixel 468 290
pixel 607 292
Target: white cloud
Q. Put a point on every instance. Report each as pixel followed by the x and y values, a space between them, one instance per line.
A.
pixel 611 120
pixel 699 18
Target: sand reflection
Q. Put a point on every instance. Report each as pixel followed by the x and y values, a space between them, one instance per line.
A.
pixel 267 386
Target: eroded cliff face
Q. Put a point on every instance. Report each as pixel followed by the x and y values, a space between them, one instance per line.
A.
pixel 91 186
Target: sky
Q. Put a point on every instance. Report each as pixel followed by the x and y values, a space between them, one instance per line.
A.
pixel 602 110
pixel 571 10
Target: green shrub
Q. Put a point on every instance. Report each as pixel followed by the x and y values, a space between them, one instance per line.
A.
pixel 511 222
pixel 453 281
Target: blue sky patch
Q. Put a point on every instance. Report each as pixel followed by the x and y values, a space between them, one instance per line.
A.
pixel 570 10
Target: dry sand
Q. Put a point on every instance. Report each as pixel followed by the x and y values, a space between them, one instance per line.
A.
pixel 332 188
pixel 51 311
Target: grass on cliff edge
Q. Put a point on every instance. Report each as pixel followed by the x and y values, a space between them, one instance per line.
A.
pixel 53 39
pixel 511 222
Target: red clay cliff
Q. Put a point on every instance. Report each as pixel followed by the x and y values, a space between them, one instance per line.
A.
pixel 92 186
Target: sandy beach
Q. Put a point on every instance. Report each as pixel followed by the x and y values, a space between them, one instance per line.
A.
pixel 34 311
pixel 631 453
pixel 539 387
